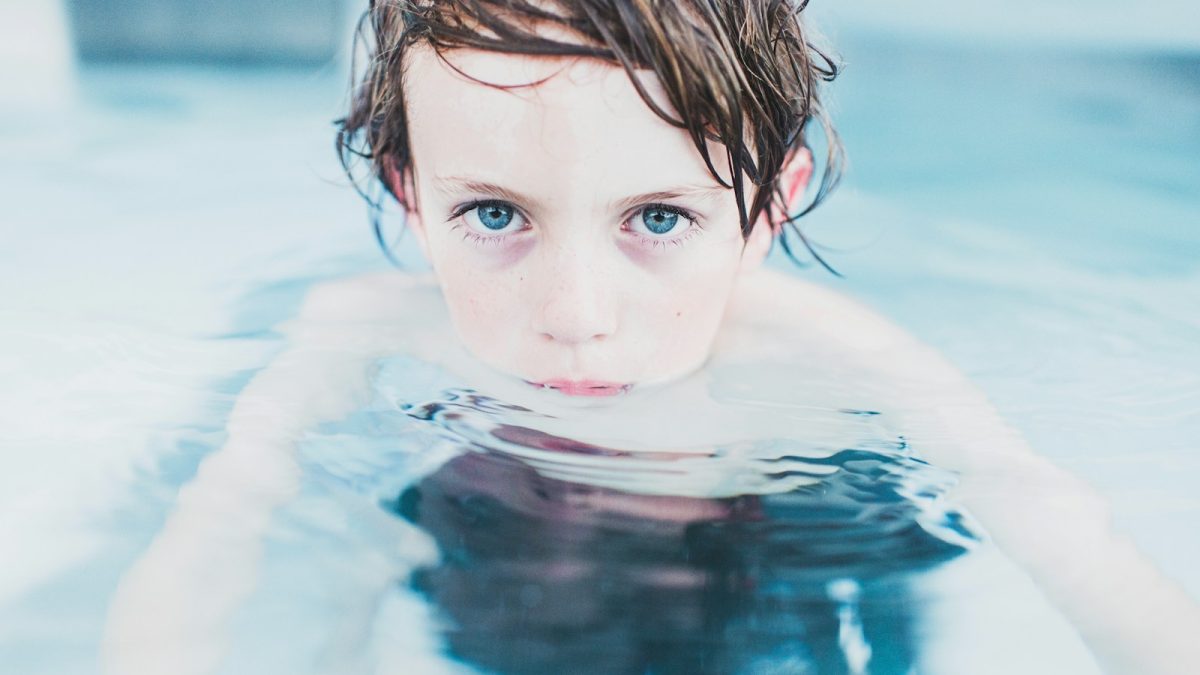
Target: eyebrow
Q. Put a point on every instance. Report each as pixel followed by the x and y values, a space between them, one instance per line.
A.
pixel 455 183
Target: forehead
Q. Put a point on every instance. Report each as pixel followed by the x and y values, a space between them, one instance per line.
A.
pixel 558 121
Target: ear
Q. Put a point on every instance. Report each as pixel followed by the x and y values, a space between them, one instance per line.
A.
pixel 403 186
pixel 793 180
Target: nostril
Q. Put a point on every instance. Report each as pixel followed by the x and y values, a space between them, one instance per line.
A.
pixel 550 337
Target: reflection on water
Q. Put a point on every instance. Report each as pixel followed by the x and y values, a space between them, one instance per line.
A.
pixel 548 567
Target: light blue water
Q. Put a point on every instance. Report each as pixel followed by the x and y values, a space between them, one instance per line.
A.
pixel 1034 216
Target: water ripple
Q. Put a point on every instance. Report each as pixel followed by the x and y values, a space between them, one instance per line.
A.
pixel 765 555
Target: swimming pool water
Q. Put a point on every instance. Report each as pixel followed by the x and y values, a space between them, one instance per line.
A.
pixel 1033 214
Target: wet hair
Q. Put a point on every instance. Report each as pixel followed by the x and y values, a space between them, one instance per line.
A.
pixel 744 73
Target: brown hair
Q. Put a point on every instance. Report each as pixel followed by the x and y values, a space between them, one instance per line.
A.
pixel 744 73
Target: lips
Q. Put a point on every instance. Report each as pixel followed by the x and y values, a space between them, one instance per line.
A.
pixel 584 387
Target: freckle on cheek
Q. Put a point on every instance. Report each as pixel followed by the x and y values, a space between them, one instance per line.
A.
pixel 678 314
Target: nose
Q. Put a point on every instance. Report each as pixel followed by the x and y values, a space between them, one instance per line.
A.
pixel 577 302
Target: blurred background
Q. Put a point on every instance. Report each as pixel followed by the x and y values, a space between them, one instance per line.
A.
pixel 1023 193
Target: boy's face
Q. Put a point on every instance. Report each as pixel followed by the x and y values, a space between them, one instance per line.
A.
pixel 580 241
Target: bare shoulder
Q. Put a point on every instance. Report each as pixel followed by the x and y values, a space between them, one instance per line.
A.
pixel 806 312
pixel 788 300
pixel 375 296
pixel 371 314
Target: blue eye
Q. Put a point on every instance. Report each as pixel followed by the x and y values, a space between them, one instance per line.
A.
pixel 659 220
pixel 491 218
pixel 494 216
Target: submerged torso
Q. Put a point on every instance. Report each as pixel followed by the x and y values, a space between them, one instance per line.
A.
pixel 768 513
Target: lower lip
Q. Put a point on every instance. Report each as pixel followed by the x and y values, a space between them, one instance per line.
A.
pixel 584 387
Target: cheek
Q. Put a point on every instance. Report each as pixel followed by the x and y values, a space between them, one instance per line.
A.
pixel 480 285
pixel 698 305
pixel 694 293
pixel 482 302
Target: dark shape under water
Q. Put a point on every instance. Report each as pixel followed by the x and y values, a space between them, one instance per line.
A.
pixel 547 576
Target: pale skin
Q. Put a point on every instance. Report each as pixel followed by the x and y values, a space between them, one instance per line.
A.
pixel 573 284
pixel 582 289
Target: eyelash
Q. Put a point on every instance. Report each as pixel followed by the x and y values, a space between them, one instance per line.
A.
pixel 692 230
pixel 471 235
pixel 653 242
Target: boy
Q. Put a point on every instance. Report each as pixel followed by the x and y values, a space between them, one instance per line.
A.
pixel 596 251
pixel 595 185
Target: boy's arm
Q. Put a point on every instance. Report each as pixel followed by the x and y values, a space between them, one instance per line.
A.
pixel 1133 618
pixel 170 610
